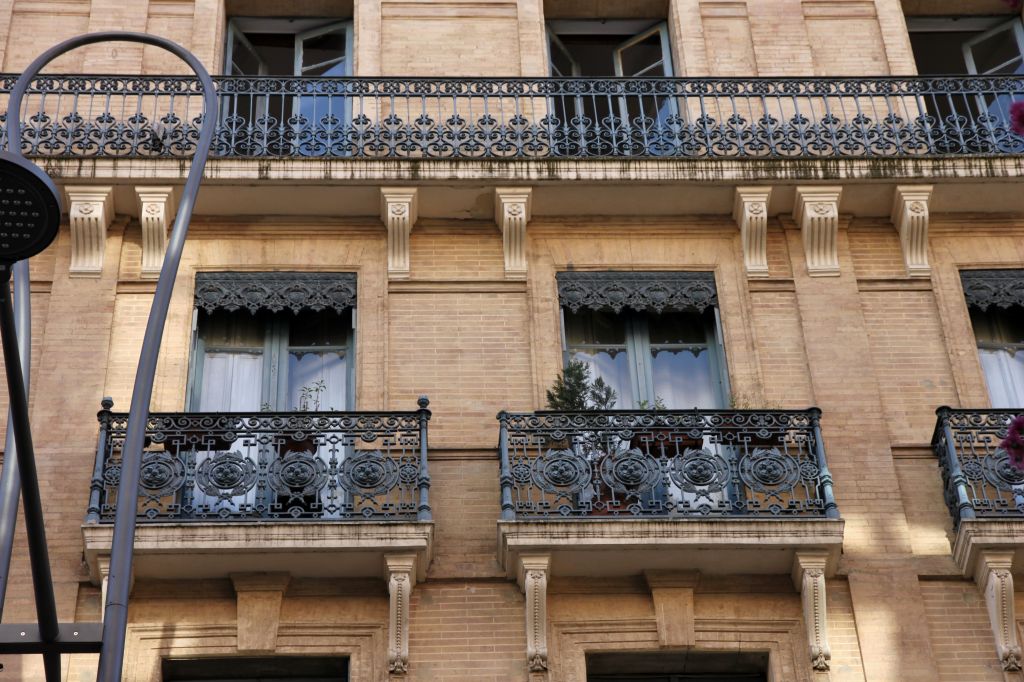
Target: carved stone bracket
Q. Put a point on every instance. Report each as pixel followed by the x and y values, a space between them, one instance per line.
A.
pixel 156 210
pixel 512 213
pixel 90 213
pixel 401 574
pixel 750 211
pixel 995 581
pixel 398 211
pixel 809 579
pixel 672 594
pixel 816 211
pixel 533 573
pixel 259 598
pixel 910 216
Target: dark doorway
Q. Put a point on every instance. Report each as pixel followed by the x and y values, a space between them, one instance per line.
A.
pixel 276 669
pixel 682 666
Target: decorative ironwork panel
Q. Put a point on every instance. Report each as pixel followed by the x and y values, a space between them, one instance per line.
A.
pixel 524 118
pixel 984 288
pixel 341 466
pixel 978 479
pixel 275 291
pixel 671 464
pixel 654 291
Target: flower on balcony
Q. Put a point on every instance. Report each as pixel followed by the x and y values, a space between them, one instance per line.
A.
pixel 1013 444
pixel 1017 117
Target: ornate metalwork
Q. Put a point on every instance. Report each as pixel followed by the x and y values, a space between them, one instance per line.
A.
pixel 670 464
pixel 654 291
pixel 273 466
pixel 275 291
pixel 524 118
pixel 1001 288
pixel 977 476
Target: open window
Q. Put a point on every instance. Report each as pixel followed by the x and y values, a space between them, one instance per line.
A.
pixel 995 299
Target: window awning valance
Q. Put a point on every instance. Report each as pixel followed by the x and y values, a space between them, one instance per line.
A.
pixel 642 291
pixel 275 291
pixel 1001 288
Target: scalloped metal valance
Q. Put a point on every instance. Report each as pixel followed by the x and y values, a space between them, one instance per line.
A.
pixel 275 291
pixel 1001 288
pixel 642 291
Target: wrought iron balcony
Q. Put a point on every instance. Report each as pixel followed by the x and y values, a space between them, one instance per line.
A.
pixel 331 466
pixel 524 118
pixel 664 464
pixel 977 477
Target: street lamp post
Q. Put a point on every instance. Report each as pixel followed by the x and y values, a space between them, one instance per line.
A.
pixel 19 239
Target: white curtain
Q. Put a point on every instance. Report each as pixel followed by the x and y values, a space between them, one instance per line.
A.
pixel 1004 374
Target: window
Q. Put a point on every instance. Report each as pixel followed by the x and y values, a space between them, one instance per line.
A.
pixel 653 337
pixel 278 669
pixel 996 302
pixel 695 666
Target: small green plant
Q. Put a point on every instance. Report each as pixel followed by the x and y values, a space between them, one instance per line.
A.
pixel 575 391
pixel 309 396
pixel 659 404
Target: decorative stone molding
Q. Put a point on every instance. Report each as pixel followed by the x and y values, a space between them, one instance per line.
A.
pixel 994 579
pixel 398 210
pixel 156 210
pixel 910 216
pixel 533 581
pixel 1001 288
pixel 259 609
pixel 816 211
pixel 512 212
pixel 642 291
pixel 809 579
pixel 750 211
pixel 90 213
pixel 275 291
pixel 672 594
pixel 401 574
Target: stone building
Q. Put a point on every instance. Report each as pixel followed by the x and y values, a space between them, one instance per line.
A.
pixel 782 260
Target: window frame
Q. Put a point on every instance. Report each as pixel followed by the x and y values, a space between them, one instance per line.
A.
pixel 300 28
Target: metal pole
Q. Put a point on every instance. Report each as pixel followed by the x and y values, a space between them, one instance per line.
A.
pixel 116 612
pixel 423 512
pixel 42 580
pixel 10 481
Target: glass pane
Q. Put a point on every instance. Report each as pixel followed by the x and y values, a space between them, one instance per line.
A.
pixel 676 327
pixel 998 325
pixel 561 63
pixel 1012 323
pixel 324 328
pixel 683 379
pixel 232 382
pixel 594 327
pixel 243 61
pixel 321 49
pixel 1004 376
pixel 936 52
pixel 238 329
pixel 317 381
pixel 277 50
pixel 613 367
pixel 643 58
pixel 998 53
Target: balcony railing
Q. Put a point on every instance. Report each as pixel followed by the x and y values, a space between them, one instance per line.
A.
pixel 668 464
pixel 332 466
pixel 524 118
pixel 977 477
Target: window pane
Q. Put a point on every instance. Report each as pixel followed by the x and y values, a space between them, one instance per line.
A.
pixel 1004 376
pixel 676 328
pixel 317 381
pixel 321 49
pixel 277 50
pixel 594 327
pixel 992 54
pixel 243 61
pixel 238 329
pixel 613 367
pixel 684 379
pixel 643 58
pixel 324 328
pixel 232 382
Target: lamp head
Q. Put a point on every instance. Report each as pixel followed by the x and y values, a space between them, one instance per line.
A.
pixel 29 208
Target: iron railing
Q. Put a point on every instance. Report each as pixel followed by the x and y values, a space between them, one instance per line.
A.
pixel 978 479
pixel 672 464
pixel 524 118
pixel 341 466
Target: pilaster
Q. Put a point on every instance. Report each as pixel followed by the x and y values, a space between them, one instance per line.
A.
pixel 995 581
pixel 809 580
pixel 155 214
pixel 259 609
pixel 750 211
pixel 91 209
pixel 910 216
pixel 816 211
pixel 512 213
pixel 398 211
pixel 401 575
pixel 533 573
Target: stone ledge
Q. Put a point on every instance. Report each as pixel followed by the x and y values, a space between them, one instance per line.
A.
pixel 302 548
pixel 977 535
pixel 610 547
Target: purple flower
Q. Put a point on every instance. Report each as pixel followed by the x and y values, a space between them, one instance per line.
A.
pixel 1013 444
pixel 1017 117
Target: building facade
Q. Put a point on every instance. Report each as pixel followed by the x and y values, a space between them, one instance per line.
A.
pixel 783 233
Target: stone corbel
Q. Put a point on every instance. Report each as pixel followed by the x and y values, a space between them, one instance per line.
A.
pixel 672 594
pixel 910 216
pixel 91 209
pixel 533 581
pixel 809 580
pixel 398 211
pixel 155 214
pixel 995 581
pixel 816 211
pixel 401 575
pixel 750 211
pixel 512 213
pixel 259 609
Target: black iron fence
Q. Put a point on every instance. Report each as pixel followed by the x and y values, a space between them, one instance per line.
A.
pixel 977 476
pixel 524 118
pixel 344 466
pixel 672 464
